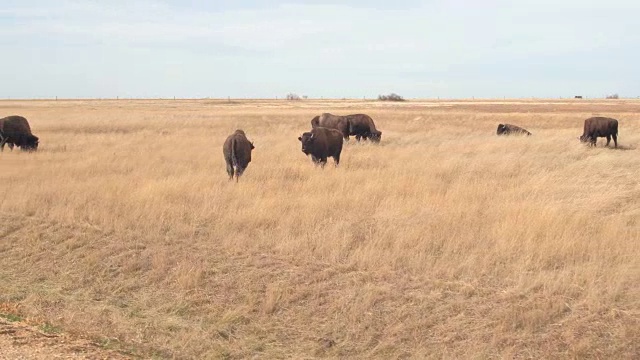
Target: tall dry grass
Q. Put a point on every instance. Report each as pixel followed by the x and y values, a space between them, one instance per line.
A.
pixel 444 241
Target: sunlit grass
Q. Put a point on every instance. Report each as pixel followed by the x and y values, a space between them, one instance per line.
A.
pixel 442 241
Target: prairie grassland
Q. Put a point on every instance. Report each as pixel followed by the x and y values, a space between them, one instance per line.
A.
pixel 444 241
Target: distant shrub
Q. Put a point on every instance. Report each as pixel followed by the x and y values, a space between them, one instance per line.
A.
pixel 613 96
pixel 390 97
pixel 292 96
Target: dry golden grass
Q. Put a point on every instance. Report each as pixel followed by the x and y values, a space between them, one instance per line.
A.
pixel 445 241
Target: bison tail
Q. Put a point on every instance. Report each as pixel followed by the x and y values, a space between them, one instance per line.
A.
pixel 234 160
pixel 315 122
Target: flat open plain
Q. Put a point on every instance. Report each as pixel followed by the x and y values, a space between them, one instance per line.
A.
pixel 443 241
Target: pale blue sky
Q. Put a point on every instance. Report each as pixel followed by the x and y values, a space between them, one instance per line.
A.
pixel 259 48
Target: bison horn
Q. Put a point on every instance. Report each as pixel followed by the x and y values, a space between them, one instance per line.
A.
pixel 312 136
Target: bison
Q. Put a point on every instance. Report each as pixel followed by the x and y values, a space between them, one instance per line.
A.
pixel 237 153
pixel 330 121
pixel 15 130
pixel 322 143
pixel 508 129
pixel 595 127
pixel 362 126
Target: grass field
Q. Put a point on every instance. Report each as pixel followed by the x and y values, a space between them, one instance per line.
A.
pixel 443 241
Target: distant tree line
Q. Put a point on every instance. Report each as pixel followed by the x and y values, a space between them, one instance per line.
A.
pixel 390 97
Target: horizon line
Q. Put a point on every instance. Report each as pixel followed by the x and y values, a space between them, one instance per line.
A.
pixel 278 98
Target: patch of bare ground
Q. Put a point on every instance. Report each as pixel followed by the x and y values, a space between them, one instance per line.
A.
pixel 22 340
pixel 443 241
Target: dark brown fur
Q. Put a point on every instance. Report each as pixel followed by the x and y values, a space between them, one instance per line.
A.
pixel 322 143
pixel 237 153
pixel 595 127
pixel 15 130
pixel 330 121
pixel 362 126
pixel 508 129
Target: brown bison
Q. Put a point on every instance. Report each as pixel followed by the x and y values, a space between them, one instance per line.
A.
pixel 330 121
pixel 508 129
pixel 237 153
pixel 15 130
pixel 595 127
pixel 322 143
pixel 362 126
pixel 359 125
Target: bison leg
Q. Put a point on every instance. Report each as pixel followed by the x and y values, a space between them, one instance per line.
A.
pixel 358 137
pixel 615 139
pixel 323 162
pixel 336 159
pixel 230 171
pixel 10 145
pixel 608 140
pixel 3 141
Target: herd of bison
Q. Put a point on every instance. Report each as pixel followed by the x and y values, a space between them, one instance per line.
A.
pixel 324 140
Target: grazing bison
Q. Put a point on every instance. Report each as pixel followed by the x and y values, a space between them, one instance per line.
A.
pixel 237 153
pixel 15 130
pixel 330 121
pixel 508 129
pixel 322 143
pixel 362 126
pixel 595 127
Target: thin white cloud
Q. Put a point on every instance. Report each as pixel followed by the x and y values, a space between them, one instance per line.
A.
pixel 506 26
pixel 345 43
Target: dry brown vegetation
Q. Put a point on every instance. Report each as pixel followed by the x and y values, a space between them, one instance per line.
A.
pixel 444 241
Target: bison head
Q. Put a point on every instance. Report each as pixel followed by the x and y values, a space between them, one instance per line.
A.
pixel 307 139
pixel 584 138
pixel 376 136
pixel 501 129
pixel 29 143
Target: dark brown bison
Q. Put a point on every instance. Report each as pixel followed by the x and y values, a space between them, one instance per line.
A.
pixel 508 129
pixel 15 130
pixel 330 121
pixel 595 127
pixel 322 143
pixel 362 126
pixel 237 153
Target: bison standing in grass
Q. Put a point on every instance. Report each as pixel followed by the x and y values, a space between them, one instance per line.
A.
pixel 322 143
pixel 330 121
pixel 362 126
pixel 237 153
pixel 358 125
pixel 508 129
pixel 595 127
pixel 15 130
